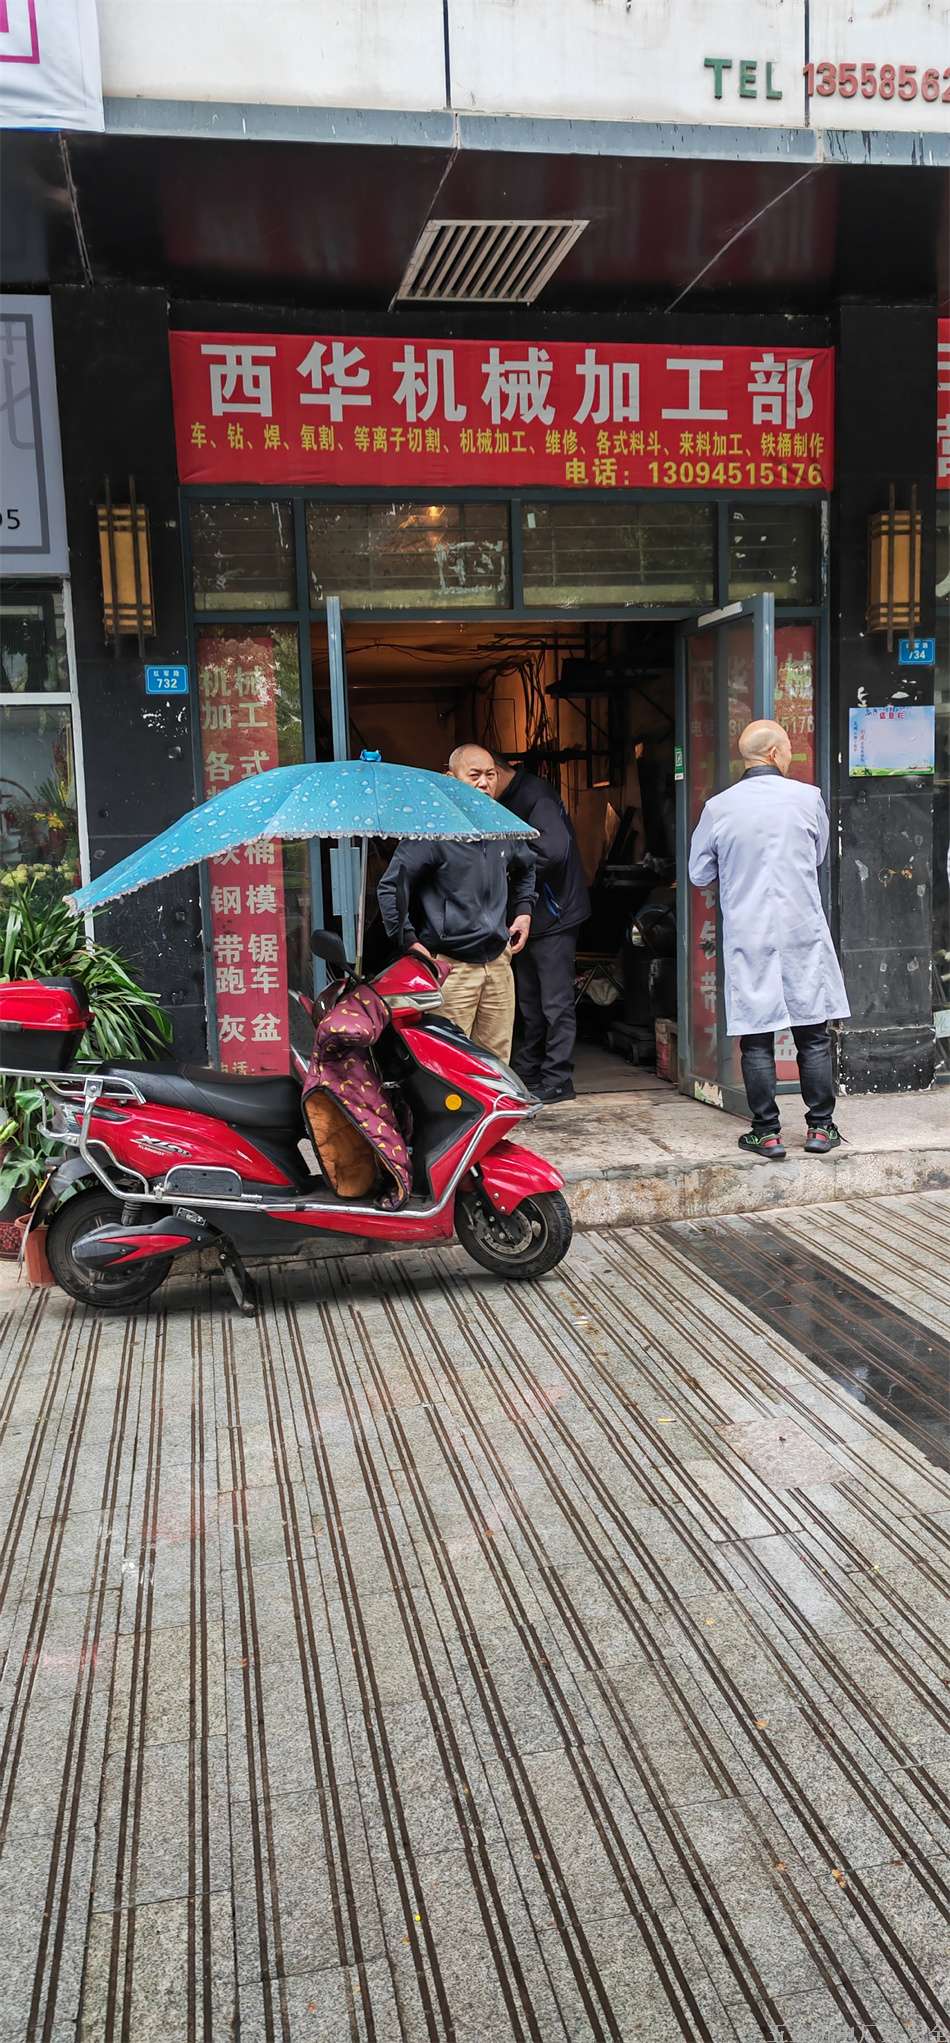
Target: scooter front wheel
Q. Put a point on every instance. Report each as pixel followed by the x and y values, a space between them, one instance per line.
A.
pixel 519 1245
pixel 116 1290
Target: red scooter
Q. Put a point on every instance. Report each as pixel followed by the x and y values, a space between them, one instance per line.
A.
pixel 161 1160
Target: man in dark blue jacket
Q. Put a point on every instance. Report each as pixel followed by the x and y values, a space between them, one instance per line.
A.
pixel 469 905
pixel 545 968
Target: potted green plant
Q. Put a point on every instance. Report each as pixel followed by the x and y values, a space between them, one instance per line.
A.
pixel 40 938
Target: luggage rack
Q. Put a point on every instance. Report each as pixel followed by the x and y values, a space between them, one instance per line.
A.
pixel 66 1083
pixel 79 1092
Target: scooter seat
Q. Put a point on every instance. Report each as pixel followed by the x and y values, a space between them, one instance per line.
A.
pixel 244 1102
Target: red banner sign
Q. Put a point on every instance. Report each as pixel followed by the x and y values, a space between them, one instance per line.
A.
pixel 943 404
pixel 237 688
pixel 304 408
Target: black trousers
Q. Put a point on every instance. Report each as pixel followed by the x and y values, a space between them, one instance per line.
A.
pixel 544 978
pixel 813 1047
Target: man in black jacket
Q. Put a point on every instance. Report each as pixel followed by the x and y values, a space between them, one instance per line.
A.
pixel 545 967
pixel 469 905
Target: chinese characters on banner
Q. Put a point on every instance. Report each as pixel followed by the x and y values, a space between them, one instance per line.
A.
pixel 943 404
pixel 238 698
pixel 261 408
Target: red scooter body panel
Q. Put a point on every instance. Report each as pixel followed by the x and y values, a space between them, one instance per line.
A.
pixel 455 1066
pixel 509 1174
pixel 409 1225
pixel 132 1135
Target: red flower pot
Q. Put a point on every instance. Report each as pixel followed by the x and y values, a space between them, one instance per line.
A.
pixel 35 1266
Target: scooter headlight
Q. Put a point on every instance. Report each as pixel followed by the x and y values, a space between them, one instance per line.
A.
pixel 497 1078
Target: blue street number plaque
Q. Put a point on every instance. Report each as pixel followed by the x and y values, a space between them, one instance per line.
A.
pixel 166 680
pixel 923 652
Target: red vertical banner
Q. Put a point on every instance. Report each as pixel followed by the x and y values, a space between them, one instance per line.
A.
pixel 795 694
pixel 795 711
pixel 701 784
pixel 237 689
pixel 943 404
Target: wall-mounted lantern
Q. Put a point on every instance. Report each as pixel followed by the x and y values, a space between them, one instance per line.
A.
pixel 126 561
pixel 894 543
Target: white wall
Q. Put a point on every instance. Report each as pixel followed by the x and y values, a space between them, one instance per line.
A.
pixel 631 60
pixel 361 53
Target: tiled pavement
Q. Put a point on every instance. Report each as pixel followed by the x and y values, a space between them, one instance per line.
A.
pixel 433 1659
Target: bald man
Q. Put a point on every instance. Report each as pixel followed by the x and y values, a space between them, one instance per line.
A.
pixel 762 842
pixel 468 905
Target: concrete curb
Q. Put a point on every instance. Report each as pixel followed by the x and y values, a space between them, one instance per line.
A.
pixel 694 1191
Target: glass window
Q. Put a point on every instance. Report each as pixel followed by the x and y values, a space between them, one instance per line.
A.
pixel 408 556
pixel 614 551
pixel 33 656
pixel 243 556
pixel 774 546
pixel 39 829
pixel 259 894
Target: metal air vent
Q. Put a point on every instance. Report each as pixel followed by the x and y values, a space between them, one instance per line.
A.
pixel 486 262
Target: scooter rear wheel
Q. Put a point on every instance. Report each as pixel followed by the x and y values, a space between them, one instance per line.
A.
pixel 521 1245
pixel 119 1290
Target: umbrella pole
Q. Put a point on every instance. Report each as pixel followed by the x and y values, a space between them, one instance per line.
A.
pixel 361 912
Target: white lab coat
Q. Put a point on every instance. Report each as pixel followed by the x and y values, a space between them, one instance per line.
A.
pixel 762 842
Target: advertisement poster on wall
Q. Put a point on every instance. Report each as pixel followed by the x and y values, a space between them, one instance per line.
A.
pixel 50 73
pixel 895 740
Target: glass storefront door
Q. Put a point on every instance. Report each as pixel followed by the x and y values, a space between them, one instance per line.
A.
pixel 726 678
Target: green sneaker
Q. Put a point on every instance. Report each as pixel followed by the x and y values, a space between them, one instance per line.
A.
pixel 821 1141
pixel 770 1147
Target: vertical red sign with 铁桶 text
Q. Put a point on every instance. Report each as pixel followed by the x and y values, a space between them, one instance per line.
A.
pixel 238 697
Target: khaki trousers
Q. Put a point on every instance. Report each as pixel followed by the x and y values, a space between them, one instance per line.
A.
pixel 481 1000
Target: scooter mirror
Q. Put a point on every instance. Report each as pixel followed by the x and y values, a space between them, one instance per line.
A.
pixel 325 944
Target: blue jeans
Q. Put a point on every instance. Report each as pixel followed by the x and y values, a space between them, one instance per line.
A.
pixel 813 1047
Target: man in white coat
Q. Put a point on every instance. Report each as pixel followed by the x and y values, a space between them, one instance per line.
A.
pixel 762 842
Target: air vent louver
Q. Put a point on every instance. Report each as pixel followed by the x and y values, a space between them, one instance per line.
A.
pixel 487 262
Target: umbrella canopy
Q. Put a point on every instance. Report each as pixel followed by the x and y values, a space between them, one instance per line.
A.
pixel 348 798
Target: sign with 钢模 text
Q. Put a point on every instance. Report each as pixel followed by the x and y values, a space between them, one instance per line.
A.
pixel 49 65
pixel 238 692
pixel 305 408
pixel 166 680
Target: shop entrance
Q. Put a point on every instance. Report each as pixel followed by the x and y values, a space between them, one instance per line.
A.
pixel 592 708
pixel 613 643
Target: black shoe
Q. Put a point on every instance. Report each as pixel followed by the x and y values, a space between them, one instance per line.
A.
pixel 770 1147
pixel 821 1141
pixel 552 1095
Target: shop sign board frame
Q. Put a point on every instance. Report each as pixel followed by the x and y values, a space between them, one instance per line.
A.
pixel 727 63
pixel 363 411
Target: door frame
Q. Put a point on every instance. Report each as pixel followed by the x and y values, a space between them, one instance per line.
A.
pixel 724 1091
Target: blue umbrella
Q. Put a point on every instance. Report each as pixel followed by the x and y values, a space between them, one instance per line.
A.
pixel 360 798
